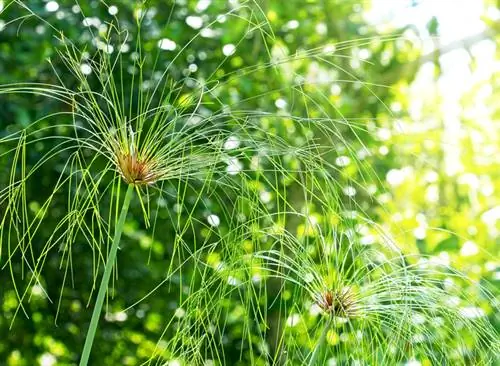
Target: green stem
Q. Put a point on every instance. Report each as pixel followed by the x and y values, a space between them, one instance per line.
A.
pixel 89 340
pixel 321 340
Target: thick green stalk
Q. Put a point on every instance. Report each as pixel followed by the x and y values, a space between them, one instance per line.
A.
pixel 319 345
pixel 89 340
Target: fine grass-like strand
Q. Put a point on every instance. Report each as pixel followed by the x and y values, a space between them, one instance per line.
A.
pixel 89 340
pixel 319 345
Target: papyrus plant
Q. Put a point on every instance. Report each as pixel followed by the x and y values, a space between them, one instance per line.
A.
pixel 133 131
pixel 377 306
pixel 127 137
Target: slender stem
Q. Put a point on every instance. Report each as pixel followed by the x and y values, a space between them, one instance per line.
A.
pixel 89 340
pixel 321 340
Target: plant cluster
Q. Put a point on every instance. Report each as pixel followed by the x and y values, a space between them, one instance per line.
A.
pixel 247 209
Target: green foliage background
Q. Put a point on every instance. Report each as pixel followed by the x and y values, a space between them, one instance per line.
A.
pixel 367 83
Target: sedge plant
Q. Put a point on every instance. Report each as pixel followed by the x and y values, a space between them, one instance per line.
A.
pixel 134 142
pixel 138 133
pixel 374 305
pixel 117 139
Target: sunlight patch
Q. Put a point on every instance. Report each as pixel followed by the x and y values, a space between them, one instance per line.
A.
pixel 468 249
pixel 213 220
pixel 48 359
pixel 52 6
pixel 342 161
pixel 233 281
pixel 85 69
pixel 194 22
pixel 293 320
pixel 228 49
pixel 280 103
pixel 202 5
pixel 120 316
pixel 231 143
pixel 179 313
pixel 472 312
pixel 167 44
pixel 113 10
pixel 413 362
pixel 265 196
pixel 234 166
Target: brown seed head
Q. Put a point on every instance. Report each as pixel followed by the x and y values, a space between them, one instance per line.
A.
pixel 341 302
pixel 135 171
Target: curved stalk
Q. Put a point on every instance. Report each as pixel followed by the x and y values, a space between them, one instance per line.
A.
pixel 89 340
pixel 321 340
